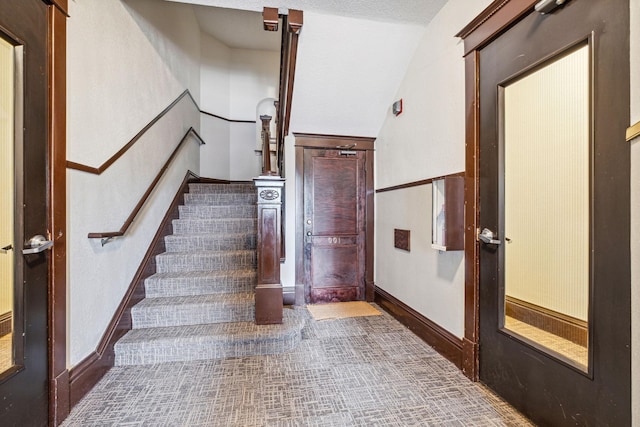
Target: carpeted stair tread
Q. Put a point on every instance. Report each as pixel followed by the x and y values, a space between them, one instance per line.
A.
pixel 172 262
pixel 200 283
pixel 220 199
pixel 213 341
pixel 169 262
pixel 201 188
pixel 200 303
pixel 193 310
pixel 210 242
pixel 217 212
pixel 206 226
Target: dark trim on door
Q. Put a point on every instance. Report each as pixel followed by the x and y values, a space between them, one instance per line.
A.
pixel 358 143
pixel 443 341
pixel 314 140
pixel 59 405
pixel 491 22
pixel 470 365
pixel 61 5
pixel 611 358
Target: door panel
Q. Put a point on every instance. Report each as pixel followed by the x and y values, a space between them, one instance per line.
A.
pixel 23 386
pixel 7 261
pixel 547 151
pixel 561 214
pixel 334 187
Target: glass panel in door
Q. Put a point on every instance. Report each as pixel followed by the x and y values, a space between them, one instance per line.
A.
pixel 546 160
pixel 7 262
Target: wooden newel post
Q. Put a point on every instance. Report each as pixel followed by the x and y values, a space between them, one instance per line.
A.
pixel 269 299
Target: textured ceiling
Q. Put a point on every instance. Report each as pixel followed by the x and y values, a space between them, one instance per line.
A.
pixel 399 11
pixel 238 29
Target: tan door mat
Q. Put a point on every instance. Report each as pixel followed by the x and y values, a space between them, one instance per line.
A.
pixel 341 310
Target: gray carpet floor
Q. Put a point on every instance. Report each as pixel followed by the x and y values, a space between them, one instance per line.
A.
pixel 366 371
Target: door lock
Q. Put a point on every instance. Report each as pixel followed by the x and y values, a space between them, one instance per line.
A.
pixel 37 244
pixel 487 236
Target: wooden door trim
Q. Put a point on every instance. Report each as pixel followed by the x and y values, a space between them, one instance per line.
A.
pixel 59 403
pixel 319 141
pixel 311 140
pixel 491 22
pixel 470 344
pixel 495 19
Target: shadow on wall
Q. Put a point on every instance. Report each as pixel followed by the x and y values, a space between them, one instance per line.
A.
pixel 449 263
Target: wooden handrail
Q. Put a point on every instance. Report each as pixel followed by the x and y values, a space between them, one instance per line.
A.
pixel 120 153
pixel 99 170
pixel 225 119
pixel 292 24
pixel 108 235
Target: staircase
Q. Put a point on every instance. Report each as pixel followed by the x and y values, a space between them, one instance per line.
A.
pixel 200 303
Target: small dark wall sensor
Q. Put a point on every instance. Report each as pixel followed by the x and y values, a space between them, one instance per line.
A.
pixel 397 107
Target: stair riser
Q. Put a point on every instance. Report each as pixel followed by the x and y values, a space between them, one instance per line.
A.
pixel 213 226
pixel 157 317
pixel 185 243
pixel 205 309
pixel 189 350
pixel 217 212
pixel 184 286
pixel 169 263
pixel 220 199
pixel 221 188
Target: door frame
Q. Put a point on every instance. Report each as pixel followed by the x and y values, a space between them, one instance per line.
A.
pixel 319 141
pixel 58 375
pixel 487 26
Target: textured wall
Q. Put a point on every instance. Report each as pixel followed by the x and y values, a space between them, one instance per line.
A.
pixel 118 80
pixel 425 141
pixel 346 77
pixel 233 83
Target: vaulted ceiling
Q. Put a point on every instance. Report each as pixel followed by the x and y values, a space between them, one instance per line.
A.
pixel 418 12
pixel 352 55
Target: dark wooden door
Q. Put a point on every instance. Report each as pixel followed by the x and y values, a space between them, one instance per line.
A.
pixel 334 225
pixel 548 385
pixel 23 377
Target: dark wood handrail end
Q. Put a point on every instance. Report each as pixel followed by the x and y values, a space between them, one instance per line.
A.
pixel 109 235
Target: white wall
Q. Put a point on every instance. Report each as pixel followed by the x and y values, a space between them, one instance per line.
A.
pixel 118 80
pixel 254 76
pixel 346 77
pixel 425 141
pixel 345 81
pixel 243 162
pixel 233 82
pixel 173 31
pixel 635 211
pixel 215 80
